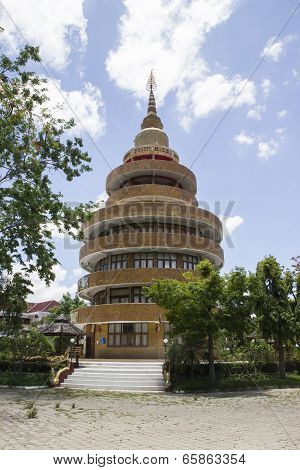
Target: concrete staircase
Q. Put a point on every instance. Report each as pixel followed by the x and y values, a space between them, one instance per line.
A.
pixel 134 376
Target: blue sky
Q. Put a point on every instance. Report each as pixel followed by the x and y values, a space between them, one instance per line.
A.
pixel 99 54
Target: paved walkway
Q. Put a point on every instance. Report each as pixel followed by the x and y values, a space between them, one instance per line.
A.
pixel 91 420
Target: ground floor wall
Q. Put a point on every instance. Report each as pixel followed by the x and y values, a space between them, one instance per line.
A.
pixel 97 344
pixel 95 320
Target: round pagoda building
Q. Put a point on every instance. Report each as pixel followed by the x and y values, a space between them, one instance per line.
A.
pixel 150 228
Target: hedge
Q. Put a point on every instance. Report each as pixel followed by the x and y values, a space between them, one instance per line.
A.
pixel 226 369
pixel 41 366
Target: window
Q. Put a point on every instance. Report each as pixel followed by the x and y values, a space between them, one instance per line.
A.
pixel 170 228
pixel 115 230
pixel 103 264
pixel 119 296
pixel 188 230
pixel 146 227
pixel 119 261
pixel 100 298
pixel 138 296
pixel 128 334
pixel 166 228
pixel 190 262
pixel 103 234
pixel 143 260
pixel 167 260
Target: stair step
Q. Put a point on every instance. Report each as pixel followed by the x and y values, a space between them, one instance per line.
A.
pixel 124 387
pixel 119 367
pixel 113 382
pixel 118 372
pixel 123 363
pixel 126 376
pixel 119 376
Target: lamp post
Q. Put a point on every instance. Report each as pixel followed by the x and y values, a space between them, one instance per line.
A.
pixel 166 341
pixel 72 341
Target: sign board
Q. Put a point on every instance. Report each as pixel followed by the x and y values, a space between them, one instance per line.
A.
pixel 102 340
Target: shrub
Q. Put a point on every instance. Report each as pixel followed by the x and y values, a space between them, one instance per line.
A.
pixel 259 353
pixel 185 355
pixel 22 345
pixel 6 365
pixel 32 413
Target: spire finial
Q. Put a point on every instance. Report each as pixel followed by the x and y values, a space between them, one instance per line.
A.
pixel 151 85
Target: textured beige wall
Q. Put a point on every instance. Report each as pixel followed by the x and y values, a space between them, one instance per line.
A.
pixel 119 312
pixel 153 240
pixel 152 191
pixel 154 350
pixel 132 276
pixel 139 209
pixel 174 169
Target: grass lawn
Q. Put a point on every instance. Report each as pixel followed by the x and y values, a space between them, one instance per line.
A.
pixel 235 383
pixel 23 378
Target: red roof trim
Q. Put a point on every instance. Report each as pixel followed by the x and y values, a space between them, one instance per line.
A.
pixel 42 306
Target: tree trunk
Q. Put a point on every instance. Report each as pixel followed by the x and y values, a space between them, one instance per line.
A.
pixel 282 372
pixel 60 344
pixel 211 362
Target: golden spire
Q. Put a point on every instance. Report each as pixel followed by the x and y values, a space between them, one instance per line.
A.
pixel 151 127
pixel 151 85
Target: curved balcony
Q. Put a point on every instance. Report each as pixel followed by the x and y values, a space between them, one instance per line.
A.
pixel 149 150
pixel 88 285
pixel 172 170
pixel 152 192
pixel 169 212
pixel 93 250
pixel 118 313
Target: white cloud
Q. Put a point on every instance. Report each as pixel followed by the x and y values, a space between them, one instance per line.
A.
pixel 78 272
pixel 100 200
pixel 295 73
pixel 280 130
pixel 274 49
pixel 59 28
pixel 230 224
pixel 267 149
pixel 178 30
pixel 266 86
pixel 85 106
pixel 282 114
pixel 256 112
pixel 55 290
pixel 244 139
pixel 212 93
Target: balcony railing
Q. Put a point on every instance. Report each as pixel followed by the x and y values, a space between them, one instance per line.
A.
pixel 152 149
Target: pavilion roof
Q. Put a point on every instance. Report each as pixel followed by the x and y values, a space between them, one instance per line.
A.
pixel 62 326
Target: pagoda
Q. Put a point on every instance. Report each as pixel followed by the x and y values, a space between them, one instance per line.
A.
pixel 151 227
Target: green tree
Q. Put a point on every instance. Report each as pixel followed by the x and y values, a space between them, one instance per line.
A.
pixel 193 305
pixel 33 146
pixel 296 265
pixel 67 304
pixel 237 319
pixel 13 291
pixel 272 288
pixel 23 346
